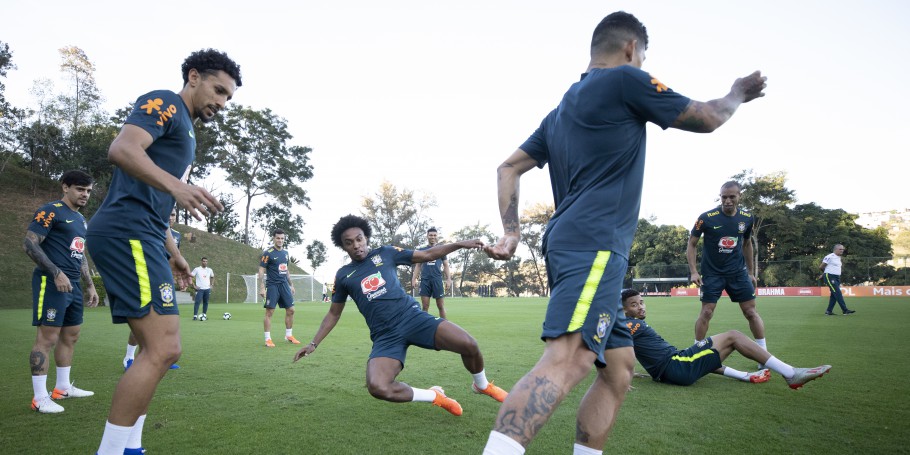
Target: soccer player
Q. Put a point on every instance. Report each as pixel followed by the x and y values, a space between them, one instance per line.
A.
pixel 831 268
pixel 204 280
pixel 726 262
pixel 55 240
pixel 131 343
pixel 669 365
pixel 394 317
pixel 129 236
pixel 594 146
pixel 277 288
pixel 430 277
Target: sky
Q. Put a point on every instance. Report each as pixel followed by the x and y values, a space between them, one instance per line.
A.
pixel 433 97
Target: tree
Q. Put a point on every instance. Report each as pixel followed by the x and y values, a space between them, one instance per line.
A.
pixel 273 216
pixel 659 251
pixel 768 198
pixel 534 222
pixel 398 217
pixel 224 223
pixel 85 99
pixel 254 153
pixel 316 254
pixel 475 265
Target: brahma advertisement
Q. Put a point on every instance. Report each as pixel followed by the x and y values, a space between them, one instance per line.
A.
pixel 814 291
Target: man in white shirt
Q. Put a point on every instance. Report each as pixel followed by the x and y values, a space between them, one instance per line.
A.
pixel 204 279
pixel 831 269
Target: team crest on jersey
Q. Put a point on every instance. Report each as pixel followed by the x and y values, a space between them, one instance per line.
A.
pixel 377 260
pixel 167 294
pixel 51 315
pixel 156 108
pixel 742 227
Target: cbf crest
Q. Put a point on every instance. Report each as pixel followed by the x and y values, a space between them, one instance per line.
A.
pixel 602 324
pixel 742 227
pixel 51 315
pixel 377 260
pixel 167 294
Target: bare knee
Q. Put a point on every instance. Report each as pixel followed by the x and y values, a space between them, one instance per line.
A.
pixel 707 312
pixel 289 311
pixel 381 390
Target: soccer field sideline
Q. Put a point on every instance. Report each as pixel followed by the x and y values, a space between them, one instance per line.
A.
pixel 233 395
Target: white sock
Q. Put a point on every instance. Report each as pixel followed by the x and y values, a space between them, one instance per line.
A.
pixel 39 385
pixel 268 336
pixel 426 395
pixel 500 444
pixel 736 374
pixel 63 378
pixel 135 439
pixel 130 351
pixel 288 332
pixel 698 341
pixel 779 367
pixel 480 380
pixel 114 440
pixel 761 342
pixel 579 449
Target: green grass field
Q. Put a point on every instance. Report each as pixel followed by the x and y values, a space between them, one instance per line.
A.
pixel 233 395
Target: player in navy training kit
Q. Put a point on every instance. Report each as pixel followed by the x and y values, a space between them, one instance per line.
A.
pixel 395 318
pixel 594 146
pixel 55 240
pixel 831 270
pixel 669 365
pixel 726 261
pixel 129 236
pixel 430 277
pixel 276 288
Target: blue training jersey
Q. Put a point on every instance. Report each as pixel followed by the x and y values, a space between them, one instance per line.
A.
pixel 722 251
pixel 594 144
pixel 63 230
pixel 136 210
pixel 275 263
pixel 374 286
pixel 651 350
pixel 177 237
pixel 431 270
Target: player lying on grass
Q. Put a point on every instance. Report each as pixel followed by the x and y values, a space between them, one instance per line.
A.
pixel 667 364
pixel 395 318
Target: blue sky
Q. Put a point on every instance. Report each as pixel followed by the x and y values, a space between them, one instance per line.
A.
pixel 433 97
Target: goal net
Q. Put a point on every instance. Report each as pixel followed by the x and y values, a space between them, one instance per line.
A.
pixel 305 288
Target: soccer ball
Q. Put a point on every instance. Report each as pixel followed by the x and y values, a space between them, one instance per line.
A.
pixel 203 317
pixel 226 316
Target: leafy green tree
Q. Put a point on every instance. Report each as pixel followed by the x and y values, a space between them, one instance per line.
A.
pixel 83 103
pixel 224 223
pixel 533 225
pixel 253 151
pixel 474 265
pixel 272 216
pixel 316 254
pixel 769 199
pixel 398 216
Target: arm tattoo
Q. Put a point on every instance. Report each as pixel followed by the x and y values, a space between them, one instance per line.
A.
pixel 38 362
pixel 33 249
pixel 510 217
pixel 86 275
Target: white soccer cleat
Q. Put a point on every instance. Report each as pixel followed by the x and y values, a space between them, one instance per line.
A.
pixel 71 392
pixel 46 406
pixel 804 375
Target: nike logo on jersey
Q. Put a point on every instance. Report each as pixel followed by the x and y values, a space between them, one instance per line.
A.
pixel 716 227
pixel 69 221
pixel 349 275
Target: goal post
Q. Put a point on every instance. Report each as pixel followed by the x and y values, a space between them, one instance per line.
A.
pixel 304 288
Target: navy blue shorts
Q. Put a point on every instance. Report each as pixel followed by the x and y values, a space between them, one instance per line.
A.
pixel 738 287
pixel 278 294
pixel 690 365
pixel 417 328
pixel 585 297
pixel 51 307
pixel 136 275
pixel 432 288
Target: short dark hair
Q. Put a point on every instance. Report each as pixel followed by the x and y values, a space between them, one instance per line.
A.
pixel 615 30
pixel 210 61
pixel 76 177
pixel 277 231
pixel 731 184
pixel 205 258
pixel 628 292
pixel 350 221
pixel 432 229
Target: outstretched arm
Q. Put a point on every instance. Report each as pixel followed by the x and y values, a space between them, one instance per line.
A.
pixel 705 117
pixel 439 251
pixel 328 323
pixel 508 184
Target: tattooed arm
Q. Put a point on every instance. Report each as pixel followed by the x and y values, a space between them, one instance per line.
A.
pixel 508 183
pixel 705 117
pixel 32 245
pixel 89 285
